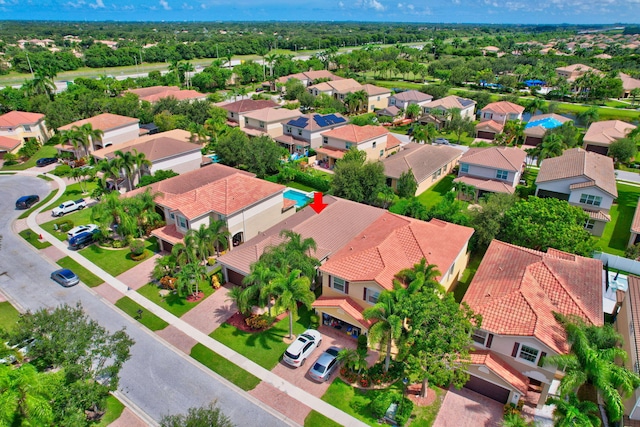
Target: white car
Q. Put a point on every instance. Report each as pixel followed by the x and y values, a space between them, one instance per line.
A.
pixel 302 347
pixel 81 229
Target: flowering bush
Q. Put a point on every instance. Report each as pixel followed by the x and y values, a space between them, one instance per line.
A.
pixel 261 321
pixel 168 282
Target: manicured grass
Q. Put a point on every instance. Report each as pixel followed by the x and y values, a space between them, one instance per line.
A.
pixel 224 368
pixel 149 320
pixel 73 192
pixel 8 316
pixel 44 151
pixel 32 238
pixel 87 277
pixel 616 233
pixel 426 415
pixel 77 218
pixel 113 409
pixel 173 303
pixel 316 419
pixel 435 194
pixel 266 347
pixel 37 205
pixel 467 276
pixel 117 261
pixel 603 112
pixel 299 186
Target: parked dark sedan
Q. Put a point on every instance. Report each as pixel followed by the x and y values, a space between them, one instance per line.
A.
pixel 25 202
pixel 45 161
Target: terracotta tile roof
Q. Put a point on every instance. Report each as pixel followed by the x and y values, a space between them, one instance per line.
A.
pixel 168 233
pixel 270 115
pixel 628 82
pixel 17 118
pixel 422 159
pixel 312 122
pixel 349 306
pixel 310 75
pixel 578 163
pixel 501 368
pixel 340 86
pixel 152 90
pixel 253 131
pixel 290 140
pixel 607 131
pixel 577 67
pixel 105 122
pixel 334 153
pixel 391 111
pixel 155 147
pixel 9 144
pixel 451 101
pixel 599 216
pixel 156 93
pixel 394 242
pixel 372 90
pixel 516 290
pixel 504 107
pixel 493 186
pixel 392 142
pixel 490 124
pixel 504 158
pixel 356 134
pixel 635 223
pixel 331 229
pixel 412 95
pixel 246 105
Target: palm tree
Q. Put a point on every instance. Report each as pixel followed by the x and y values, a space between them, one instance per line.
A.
pixel 535 105
pixel 187 68
pixel 297 253
pixel 590 115
pixel 421 277
pixel 189 277
pixel 413 111
pixel 290 288
pixel 199 240
pixel 127 165
pixel 183 254
pixel 140 160
pixel 111 210
pixel 26 395
pixel 552 146
pixel 237 296
pixel 574 412
pixel 271 58
pixel 353 359
pixel 219 235
pixel 516 420
pixel 388 325
pixel 75 138
pixel 41 84
pixel 91 135
pixel 257 282
pixel 108 172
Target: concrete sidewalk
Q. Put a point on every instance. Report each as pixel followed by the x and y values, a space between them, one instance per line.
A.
pixel 270 378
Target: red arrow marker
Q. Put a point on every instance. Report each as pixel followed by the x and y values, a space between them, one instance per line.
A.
pixel 318 205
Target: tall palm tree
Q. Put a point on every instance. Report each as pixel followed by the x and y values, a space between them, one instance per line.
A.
pixel 189 277
pixel 187 68
pixel 388 325
pixel 219 235
pixel 552 146
pixel 257 282
pixel 140 160
pixel 290 288
pixel 421 277
pixel 199 240
pixel 92 136
pixel 574 412
pixel 26 395
pixel 183 254
pixel 75 138
pixel 41 84
pixel 127 165
pixel 413 111
pixel 297 253
pixel 271 58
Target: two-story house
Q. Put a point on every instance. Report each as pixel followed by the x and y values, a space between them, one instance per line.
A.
pixel 583 179
pixel 377 97
pixel 376 141
pixel 516 291
pixel 268 121
pixel 307 78
pixel 494 116
pixel 304 132
pixel 404 99
pixel 236 110
pixel 574 71
pixel 428 164
pixel 600 135
pixel 538 126
pixel 16 127
pixel 116 130
pixel 354 276
pixel 492 170
pixel 443 106
pixel 154 94
pixel 246 204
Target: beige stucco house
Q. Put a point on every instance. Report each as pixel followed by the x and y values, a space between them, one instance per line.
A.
pixel 404 99
pixel 304 132
pixel 236 110
pixel 154 94
pixel 516 291
pixel 573 71
pixel 268 121
pixel 441 107
pixel 494 116
pixel 583 179
pixel 16 127
pixel 601 134
pixel 377 97
pixel 116 130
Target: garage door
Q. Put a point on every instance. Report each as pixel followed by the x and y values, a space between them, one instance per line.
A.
pixel 486 135
pixel 234 277
pixel 597 149
pixel 488 389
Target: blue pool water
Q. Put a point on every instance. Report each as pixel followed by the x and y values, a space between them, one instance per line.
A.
pixel 299 197
pixel 547 123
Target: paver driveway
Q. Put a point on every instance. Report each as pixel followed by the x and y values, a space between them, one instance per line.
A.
pixel 467 408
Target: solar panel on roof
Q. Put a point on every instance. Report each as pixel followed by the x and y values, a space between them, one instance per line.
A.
pixel 328 120
pixel 465 102
pixel 300 122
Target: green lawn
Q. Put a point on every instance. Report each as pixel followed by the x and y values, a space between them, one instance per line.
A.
pixel 44 151
pixel 87 277
pixel 78 218
pixel 173 303
pixel 113 410
pixel 8 316
pixel 467 276
pixel 603 113
pixel 149 320
pixel 32 238
pixel 616 233
pixel 435 194
pixel 73 192
pixel 316 419
pixel 224 368
pixel 38 205
pixel 299 186
pixel 426 415
pixel 117 261
pixel 266 347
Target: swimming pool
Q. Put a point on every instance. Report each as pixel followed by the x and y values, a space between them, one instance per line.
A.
pixel 547 123
pixel 300 197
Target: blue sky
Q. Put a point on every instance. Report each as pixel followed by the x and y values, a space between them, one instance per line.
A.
pixel 428 11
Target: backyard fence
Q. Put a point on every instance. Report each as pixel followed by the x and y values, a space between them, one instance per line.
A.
pixel 618 263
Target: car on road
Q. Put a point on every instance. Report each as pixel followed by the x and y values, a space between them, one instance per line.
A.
pixel 442 141
pixel 65 277
pixel 45 161
pixel 325 365
pixel 298 351
pixel 81 229
pixel 25 202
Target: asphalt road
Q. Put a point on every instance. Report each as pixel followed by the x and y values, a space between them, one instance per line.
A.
pixel 157 379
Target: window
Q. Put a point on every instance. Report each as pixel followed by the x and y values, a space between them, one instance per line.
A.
pixel 528 353
pixel 231 115
pixel 436 174
pixel 378 98
pixel 590 199
pixel 348 145
pixel 27 128
pixel 182 222
pixel 262 124
pixel 464 167
pixel 172 215
pixel 381 153
pixel 338 284
pixel 325 140
pixel 371 296
pixel 500 174
pixel 479 336
pixel 374 144
pixel 287 129
pixel 589 224
pixel 299 132
pixel 246 121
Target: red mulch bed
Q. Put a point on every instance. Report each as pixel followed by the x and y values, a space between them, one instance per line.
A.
pixel 196 297
pixel 422 401
pixel 237 320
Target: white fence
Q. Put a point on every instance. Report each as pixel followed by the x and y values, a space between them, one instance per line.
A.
pixel 618 262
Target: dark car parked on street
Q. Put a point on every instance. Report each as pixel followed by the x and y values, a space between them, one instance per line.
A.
pixel 45 161
pixel 25 202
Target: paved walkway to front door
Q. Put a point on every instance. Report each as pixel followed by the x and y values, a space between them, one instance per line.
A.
pixel 467 408
pixel 212 312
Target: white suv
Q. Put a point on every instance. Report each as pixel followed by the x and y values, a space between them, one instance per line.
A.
pixel 302 347
pixel 81 229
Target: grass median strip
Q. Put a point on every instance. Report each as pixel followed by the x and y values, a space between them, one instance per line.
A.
pixel 8 316
pixel 134 309
pixel 32 238
pixel 224 368
pixel 174 303
pixel 87 277
pixel 113 410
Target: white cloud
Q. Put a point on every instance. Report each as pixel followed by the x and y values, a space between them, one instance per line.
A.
pixel 340 4
pixel 77 5
pixel 400 6
pixel 375 4
pixel 99 4
pixel 203 6
pixel 410 6
pixel 165 4
pixel 187 6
